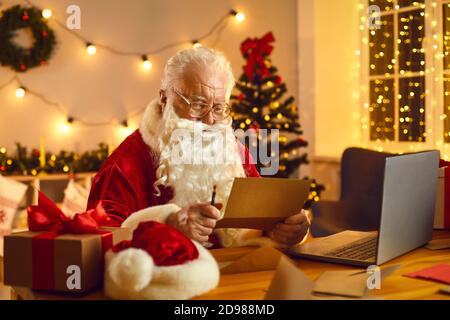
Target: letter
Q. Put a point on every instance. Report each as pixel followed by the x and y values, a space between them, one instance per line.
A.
pixel 374 278
pixel 374 17
pixel 272 309
pixel 74 280
pixel 205 311
pixel 74 19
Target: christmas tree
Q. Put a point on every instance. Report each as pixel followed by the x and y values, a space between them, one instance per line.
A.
pixel 260 104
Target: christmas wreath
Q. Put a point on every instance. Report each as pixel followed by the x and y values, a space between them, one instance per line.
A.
pixel 17 57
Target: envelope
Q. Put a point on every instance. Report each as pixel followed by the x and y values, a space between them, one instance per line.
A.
pixel 438 244
pixel 347 283
pixel 289 283
pixel 261 203
pixel 262 259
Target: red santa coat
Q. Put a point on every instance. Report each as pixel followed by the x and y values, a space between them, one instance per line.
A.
pixel 124 184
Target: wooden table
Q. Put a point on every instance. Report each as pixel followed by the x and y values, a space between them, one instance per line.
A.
pixel 253 285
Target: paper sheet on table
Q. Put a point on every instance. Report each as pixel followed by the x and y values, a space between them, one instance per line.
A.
pixel 445 290
pixel 289 283
pixel 438 244
pixel 348 283
pixel 262 203
pixel 262 259
pixel 439 273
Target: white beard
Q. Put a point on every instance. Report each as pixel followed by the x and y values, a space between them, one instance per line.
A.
pixel 207 156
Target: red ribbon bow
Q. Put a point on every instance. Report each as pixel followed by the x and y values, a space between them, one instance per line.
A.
pixel 255 50
pixel 46 216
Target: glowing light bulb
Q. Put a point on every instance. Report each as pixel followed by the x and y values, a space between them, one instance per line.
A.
pixel 91 49
pixel 239 16
pixel 20 92
pixel 146 64
pixel 196 44
pixel 64 127
pixel 46 13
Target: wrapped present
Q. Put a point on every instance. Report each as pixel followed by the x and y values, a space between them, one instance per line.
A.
pixel 442 213
pixel 59 253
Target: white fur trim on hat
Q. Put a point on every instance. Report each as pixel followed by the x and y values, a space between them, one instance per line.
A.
pixel 156 213
pixel 158 282
pixel 131 269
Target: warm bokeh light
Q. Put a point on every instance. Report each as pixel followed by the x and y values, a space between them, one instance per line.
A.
pixel 239 16
pixel 64 127
pixel 46 13
pixel 146 64
pixel 124 132
pixel 20 92
pixel 91 49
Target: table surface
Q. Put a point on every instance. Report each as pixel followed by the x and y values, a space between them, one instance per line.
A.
pixel 253 285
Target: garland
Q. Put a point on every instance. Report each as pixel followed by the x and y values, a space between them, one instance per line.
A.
pixel 25 162
pixel 19 58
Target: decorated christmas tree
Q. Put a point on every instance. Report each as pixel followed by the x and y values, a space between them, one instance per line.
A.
pixel 260 104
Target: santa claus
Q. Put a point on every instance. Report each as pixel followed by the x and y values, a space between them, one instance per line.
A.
pixel 166 170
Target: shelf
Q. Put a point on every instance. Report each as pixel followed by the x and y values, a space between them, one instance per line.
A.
pixel 53 177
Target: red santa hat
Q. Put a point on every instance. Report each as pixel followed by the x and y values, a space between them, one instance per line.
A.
pixel 159 263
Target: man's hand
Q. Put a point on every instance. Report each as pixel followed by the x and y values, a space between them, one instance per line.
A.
pixel 293 230
pixel 196 221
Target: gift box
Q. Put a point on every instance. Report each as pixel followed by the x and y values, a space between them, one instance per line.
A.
pixel 59 253
pixel 442 211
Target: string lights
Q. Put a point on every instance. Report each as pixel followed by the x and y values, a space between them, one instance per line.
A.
pixel 22 91
pixel 406 82
pixel 146 64
pixel 91 49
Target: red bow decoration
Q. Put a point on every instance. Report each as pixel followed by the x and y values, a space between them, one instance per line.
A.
pixel 46 216
pixel 166 245
pixel 255 50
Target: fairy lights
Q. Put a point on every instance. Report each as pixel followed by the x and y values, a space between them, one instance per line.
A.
pixel 20 92
pixel 146 64
pixel 396 55
pixel 92 48
pixel 409 55
pixel 46 13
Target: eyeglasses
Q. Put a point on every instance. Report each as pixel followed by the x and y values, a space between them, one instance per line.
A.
pixel 199 110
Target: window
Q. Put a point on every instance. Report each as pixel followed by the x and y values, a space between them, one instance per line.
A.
pixel 446 68
pixel 397 101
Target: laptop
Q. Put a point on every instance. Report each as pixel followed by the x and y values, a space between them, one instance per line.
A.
pixel 406 219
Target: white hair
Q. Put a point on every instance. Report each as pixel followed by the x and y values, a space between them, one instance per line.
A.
pixel 177 64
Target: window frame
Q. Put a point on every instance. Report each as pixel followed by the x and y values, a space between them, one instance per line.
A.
pixel 434 93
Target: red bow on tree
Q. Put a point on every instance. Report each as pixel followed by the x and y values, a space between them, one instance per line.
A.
pixel 46 216
pixel 255 50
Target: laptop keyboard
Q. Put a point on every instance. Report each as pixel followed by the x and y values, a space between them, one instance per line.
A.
pixel 363 249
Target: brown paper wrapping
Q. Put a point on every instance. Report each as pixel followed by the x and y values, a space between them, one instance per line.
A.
pixel 83 250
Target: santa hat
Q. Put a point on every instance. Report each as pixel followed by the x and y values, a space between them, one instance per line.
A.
pixel 159 263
